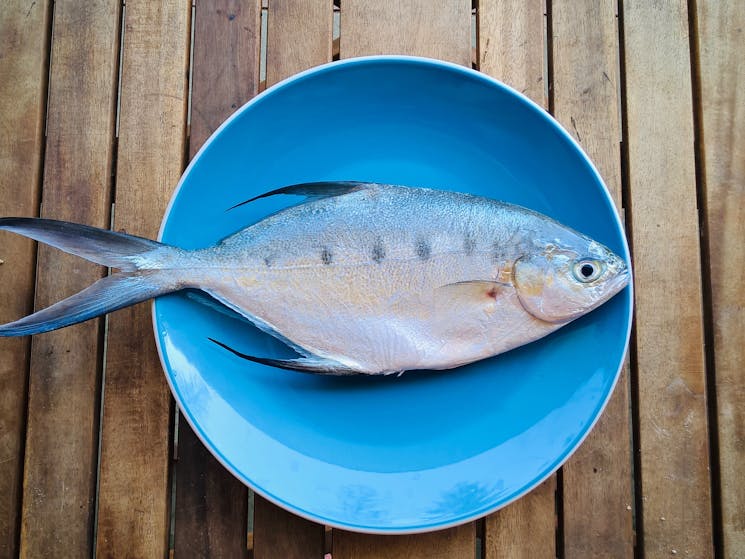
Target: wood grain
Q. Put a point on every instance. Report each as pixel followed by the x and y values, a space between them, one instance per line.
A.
pixel 512 49
pixel 212 505
pixel 455 543
pixel 525 529
pixel 597 485
pixel 135 440
pixel 277 533
pixel 511 44
pixel 225 69
pixel 721 32
pixel 434 28
pixel 24 29
pixel 299 36
pixel 676 508
pixel 63 405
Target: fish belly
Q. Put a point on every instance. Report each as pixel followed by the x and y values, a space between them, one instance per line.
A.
pixel 380 319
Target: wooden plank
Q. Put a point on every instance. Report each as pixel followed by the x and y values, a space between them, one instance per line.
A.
pixel 597 487
pixel 526 528
pixel 674 455
pixel 511 44
pixel 212 505
pixel 277 533
pixel 24 31
pixel 454 543
pixel 135 440
pixel 299 36
pixel 225 69
pixel 511 49
pixel 63 405
pixel 434 28
pixel 721 35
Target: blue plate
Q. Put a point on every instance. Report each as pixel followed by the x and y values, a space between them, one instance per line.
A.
pixel 429 449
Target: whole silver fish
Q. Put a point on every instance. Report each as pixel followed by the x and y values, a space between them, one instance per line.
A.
pixel 361 278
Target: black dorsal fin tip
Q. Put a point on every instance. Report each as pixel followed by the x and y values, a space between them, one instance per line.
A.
pixel 323 189
pixel 315 365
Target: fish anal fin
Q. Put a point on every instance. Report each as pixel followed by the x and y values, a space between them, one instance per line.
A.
pixel 315 365
pixel 323 189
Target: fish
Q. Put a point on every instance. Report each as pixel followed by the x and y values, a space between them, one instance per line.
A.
pixel 359 278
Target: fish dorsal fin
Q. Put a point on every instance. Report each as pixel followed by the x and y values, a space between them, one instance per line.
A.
pixel 324 189
pixel 314 364
pixel 474 292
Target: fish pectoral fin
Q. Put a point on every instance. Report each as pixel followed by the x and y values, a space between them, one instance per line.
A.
pixel 473 292
pixel 314 364
pixel 324 189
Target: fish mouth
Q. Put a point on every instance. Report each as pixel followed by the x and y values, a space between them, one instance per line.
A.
pixel 621 280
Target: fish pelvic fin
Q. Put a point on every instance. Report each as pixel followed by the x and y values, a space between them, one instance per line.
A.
pixel 313 364
pixel 325 189
pixel 106 295
pixel 147 270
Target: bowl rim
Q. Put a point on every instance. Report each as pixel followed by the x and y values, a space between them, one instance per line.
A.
pixel 546 117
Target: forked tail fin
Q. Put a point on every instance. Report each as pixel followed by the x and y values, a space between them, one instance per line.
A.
pixel 144 264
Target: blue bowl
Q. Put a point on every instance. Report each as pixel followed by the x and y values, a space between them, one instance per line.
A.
pixel 430 449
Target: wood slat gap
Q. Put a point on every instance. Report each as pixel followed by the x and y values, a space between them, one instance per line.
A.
pixel 634 414
pixel 176 417
pixel 559 504
pixel 480 526
pixel 474 39
pixel 104 342
pixel 624 144
pixel 706 282
pixel 264 23
pixel 548 53
pixel 47 76
pixel 190 85
pixel 476 55
pixel 548 79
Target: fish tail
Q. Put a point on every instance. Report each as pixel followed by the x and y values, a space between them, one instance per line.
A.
pixel 146 272
pixel 109 248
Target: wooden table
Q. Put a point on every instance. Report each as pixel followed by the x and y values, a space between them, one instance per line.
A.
pixel 101 106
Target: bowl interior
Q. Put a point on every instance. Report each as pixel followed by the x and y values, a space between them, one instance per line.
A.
pixel 428 449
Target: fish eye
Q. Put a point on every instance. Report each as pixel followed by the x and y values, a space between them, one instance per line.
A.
pixel 587 271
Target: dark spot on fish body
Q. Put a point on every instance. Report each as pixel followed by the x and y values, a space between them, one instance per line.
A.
pixel 326 257
pixel 469 244
pixel 496 252
pixel 423 250
pixel 267 262
pixel 378 251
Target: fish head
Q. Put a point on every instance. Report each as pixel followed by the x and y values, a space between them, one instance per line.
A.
pixel 560 282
